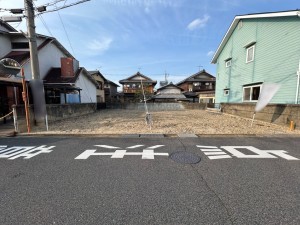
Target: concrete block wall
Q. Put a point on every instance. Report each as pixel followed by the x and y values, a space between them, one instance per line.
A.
pixel 281 114
pixel 54 113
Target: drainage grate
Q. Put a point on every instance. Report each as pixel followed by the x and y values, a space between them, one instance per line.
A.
pixel 185 157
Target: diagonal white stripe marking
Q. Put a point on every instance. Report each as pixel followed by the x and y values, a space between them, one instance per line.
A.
pixel 118 154
pixel 220 157
pixel 202 146
pixel 135 146
pixel 211 150
pixel 214 153
pixel 107 146
pixel 155 146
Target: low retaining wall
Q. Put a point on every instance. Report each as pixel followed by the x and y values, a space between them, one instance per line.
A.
pixel 54 113
pixel 155 106
pixel 280 114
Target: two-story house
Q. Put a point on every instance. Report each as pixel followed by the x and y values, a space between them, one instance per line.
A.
pixel 110 90
pixel 257 49
pixel 197 83
pixel 101 82
pixel 133 85
pixel 15 45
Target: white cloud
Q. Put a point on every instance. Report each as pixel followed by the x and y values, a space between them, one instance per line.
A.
pixel 198 23
pixel 210 53
pixel 100 45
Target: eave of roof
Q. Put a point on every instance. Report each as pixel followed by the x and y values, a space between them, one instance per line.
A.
pixel 169 85
pixel 196 74
pixel 127 80
pixel 249 16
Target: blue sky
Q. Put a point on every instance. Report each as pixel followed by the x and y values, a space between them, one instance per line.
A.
pixel 120 36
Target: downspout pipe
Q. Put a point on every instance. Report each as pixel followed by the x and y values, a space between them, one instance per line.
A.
pixel 298 81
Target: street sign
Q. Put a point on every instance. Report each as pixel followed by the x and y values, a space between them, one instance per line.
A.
pixel 9 67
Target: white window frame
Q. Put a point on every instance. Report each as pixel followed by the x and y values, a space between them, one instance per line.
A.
pixel 228 63
pixel 226 92
pixel 248 49
pixel 251 92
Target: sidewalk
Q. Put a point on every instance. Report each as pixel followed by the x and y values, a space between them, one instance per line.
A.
pixel 7 129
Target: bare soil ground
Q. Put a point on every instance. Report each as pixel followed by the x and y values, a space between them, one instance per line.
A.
pixel 165 122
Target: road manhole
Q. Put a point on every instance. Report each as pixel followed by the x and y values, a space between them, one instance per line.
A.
pixel 185 157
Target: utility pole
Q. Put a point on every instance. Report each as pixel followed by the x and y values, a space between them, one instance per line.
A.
pixel 36 84
pixel 34 62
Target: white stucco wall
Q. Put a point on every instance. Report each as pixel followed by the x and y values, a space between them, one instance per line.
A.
pixel 89 90
pixel 49 57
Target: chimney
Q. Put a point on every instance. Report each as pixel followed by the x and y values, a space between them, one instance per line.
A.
pixel 69 66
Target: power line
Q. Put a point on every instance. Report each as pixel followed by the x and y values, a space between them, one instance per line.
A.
pixel 66 32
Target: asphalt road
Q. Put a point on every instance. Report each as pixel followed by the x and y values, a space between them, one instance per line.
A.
pixel 77 180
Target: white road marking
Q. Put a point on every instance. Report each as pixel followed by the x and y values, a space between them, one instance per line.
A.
pixel 215 153
pixel 211 150
pixel 282 154
pixel 202 146
pixel 148 154
pixel 23 151
pixel 107 146
pixel 220 157
pixel 135 146
pixel 155 146
pixel 118 154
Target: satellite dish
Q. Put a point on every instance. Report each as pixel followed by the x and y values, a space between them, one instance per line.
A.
pixel 9 67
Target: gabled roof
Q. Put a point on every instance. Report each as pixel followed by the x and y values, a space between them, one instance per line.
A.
pixel 138 74
pixel 97 72
pixel 249 16
pixel 22 56
pixel 54 77
pixel 200 76
pixel 170 85
pixel 111 83
pixel 7 26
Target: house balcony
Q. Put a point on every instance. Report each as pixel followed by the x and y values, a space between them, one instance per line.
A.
pixel 202 88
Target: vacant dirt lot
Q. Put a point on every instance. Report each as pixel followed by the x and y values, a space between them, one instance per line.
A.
pixel 171 122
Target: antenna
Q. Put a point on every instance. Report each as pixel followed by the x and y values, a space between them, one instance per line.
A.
pixel 200 67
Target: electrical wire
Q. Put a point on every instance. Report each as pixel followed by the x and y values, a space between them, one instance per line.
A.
pixel 67 35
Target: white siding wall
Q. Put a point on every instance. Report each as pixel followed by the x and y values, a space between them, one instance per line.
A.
pixel 49 57
pixel 89 90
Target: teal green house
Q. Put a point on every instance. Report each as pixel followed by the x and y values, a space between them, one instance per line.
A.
pixel 257 49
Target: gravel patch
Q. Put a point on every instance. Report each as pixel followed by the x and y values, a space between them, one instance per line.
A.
pixel 198 122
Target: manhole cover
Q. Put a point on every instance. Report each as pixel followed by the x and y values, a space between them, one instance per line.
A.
pixel 185 157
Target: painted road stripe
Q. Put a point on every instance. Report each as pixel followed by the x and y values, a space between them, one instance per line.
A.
pixel 107 146
pixel 148 154
pixel 220 157
pixel 211 150
pixel 202 146
pixel 118 154
pixel 155 146
pixel 215 153
pixel 135 146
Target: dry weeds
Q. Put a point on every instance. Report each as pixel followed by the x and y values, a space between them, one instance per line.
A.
pixel 164 122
